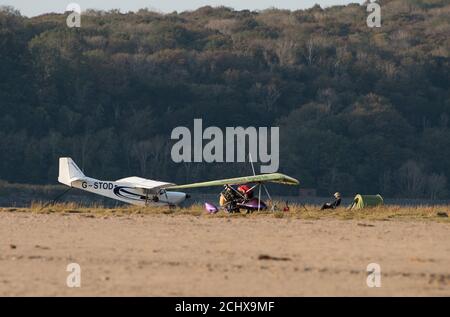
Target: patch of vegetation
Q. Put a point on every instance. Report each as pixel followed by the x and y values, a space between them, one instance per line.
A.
pixel 311 212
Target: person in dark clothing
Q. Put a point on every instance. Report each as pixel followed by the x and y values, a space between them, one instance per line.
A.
pixel 334 204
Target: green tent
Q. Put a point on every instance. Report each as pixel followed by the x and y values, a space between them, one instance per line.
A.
pixel 364 201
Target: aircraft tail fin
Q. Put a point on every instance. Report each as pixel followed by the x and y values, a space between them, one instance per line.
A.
pixel 69 171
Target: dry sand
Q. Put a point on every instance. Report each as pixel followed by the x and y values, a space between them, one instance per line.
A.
pixel 173 255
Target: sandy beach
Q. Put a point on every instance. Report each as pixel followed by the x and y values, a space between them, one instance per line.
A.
pixel 182 255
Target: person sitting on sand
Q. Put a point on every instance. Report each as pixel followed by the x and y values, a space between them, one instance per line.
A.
pixel 334 204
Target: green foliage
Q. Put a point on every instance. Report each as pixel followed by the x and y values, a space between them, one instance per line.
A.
pixel 359 109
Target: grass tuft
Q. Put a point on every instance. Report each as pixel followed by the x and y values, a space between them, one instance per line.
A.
pixel 309 212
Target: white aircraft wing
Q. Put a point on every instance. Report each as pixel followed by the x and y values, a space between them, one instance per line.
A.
pixel 139 182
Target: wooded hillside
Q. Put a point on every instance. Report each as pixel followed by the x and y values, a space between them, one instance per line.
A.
pixel 359 109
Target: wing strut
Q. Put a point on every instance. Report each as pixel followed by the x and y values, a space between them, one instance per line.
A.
pixel 259 198
pixel 270 198
pixel 251 161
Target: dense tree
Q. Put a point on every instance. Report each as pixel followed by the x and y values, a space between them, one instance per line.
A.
pixel 359 109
